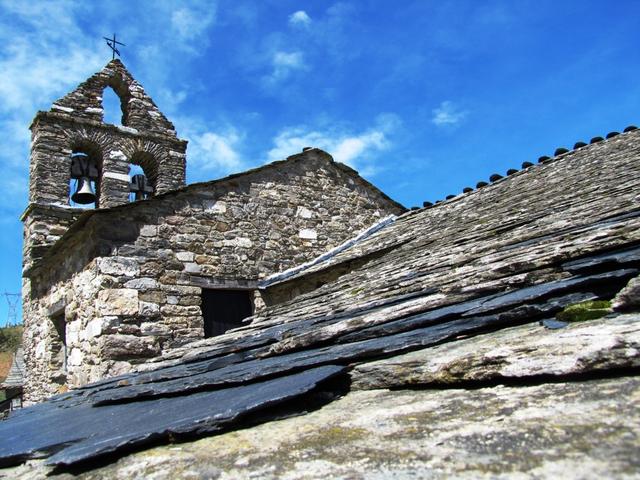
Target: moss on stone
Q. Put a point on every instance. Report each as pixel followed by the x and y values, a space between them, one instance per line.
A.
pixel 585 311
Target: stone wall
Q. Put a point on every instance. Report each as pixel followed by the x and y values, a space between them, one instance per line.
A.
pixel 129 278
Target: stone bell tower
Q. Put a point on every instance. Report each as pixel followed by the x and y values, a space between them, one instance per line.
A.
pixel 74 128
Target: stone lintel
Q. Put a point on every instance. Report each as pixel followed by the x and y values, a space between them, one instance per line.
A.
pixel 222 283
pixel 117 176
pixel 56 308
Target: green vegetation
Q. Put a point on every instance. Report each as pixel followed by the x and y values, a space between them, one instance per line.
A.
pixel 10 338
pixel 585 311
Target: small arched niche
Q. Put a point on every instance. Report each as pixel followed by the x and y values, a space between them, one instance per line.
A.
pixel 84 175
pixel 142 164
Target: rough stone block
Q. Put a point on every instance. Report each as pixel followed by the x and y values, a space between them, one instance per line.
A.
pixel 185 256
pixel 192 268
pixel 149 230
pixel 303 212
pixel 118 301
pixel 153 297
pixel 118 347
pixel 241 242
pixel 180 310
pixel 118 266
pixel 75 358
pixel 154 329
pixel 214 206
pixel 142 284
pixel 149 309
pixel 308 234
pixel 94 328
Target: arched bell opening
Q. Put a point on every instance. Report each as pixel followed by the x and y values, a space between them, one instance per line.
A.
pixel 84 178
pixel 111 107
pixel 115 101
pixel 143 174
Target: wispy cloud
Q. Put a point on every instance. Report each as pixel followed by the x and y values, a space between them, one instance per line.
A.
pixel 357 149
pixel 192 22
pixel 299 19
pixel 448 115
pixel 214 150
pixel 284 63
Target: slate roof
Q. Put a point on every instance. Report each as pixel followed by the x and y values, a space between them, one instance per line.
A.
pixel 514 252
pixel 15 377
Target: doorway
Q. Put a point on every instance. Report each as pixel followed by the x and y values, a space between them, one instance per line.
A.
pixel 224 309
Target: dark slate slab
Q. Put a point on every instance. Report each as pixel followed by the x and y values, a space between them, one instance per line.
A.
pixel 614 259
pixel 71 435
pixel 516 315
pixel 529 294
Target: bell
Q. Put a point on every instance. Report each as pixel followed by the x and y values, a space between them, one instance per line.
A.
pixel 84 194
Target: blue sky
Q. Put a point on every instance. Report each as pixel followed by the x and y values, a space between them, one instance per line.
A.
pixel 422 97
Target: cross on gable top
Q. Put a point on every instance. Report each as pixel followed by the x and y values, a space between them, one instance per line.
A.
pixel 112 42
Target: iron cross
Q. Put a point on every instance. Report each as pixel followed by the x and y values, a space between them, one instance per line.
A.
pixel 112 42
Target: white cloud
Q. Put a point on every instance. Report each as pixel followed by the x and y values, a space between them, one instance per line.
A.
pixel 350 148
pixel 170 100
pixel 190 23
pixel 299 18
pixel 284 63
pixel 359 150
pixel 447 114
pixel 288 60
pixel 218 150
pixel 212 151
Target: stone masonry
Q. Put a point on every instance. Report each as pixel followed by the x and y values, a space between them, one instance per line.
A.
pixel 109 288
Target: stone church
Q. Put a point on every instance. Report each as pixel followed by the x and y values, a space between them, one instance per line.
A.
pixel 158 263
pixel 493 334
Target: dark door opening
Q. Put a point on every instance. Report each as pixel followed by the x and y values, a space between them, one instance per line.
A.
pixel 224 309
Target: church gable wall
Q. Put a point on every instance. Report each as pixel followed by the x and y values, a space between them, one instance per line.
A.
pixel 130 280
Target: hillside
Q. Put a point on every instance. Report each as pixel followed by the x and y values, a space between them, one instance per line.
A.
pixel 10 340
pixel 5 364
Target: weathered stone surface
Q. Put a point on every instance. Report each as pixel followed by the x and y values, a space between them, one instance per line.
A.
pixel 127 267
pixel 118 301
pixel 120 346
pixel 511 354
pixel 629 297
pixel 143 284
pixel 563 430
